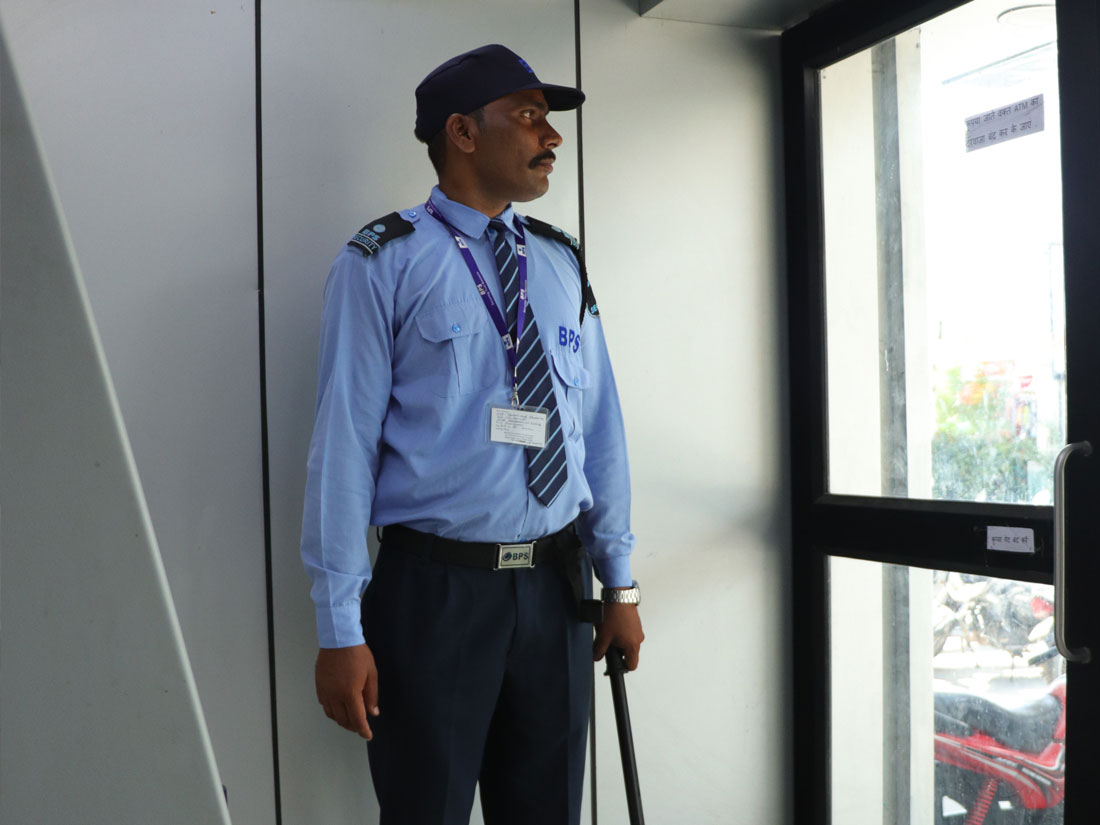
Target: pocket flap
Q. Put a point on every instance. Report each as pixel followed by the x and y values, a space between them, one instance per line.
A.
pixel 451 321
pixel 571 372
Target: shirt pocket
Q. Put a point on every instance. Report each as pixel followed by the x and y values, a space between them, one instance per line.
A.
pixel 456 356
pixel 575 379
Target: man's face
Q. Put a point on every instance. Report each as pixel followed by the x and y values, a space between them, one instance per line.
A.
pixel 515 142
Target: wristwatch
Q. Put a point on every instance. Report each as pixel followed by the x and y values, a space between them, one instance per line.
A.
pixel 632 595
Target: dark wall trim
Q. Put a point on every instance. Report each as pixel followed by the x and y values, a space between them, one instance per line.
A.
pixel 592 773
pixel 264 449
pixel 580 121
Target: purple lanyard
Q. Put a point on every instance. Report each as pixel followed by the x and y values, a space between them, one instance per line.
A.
pixel 511 348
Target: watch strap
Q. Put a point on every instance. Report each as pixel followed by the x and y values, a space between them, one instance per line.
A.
pixel 630 595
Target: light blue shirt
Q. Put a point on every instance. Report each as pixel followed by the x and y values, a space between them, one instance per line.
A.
pixel 410 364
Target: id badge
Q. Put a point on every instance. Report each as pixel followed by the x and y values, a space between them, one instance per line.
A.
pixel 523 426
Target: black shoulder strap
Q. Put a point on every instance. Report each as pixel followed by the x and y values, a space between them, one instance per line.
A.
pixel 374 234
pixel 588 298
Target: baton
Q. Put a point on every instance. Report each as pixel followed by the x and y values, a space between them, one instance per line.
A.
pixel 616 670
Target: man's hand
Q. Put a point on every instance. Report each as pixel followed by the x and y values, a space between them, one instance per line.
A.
pixel 347 686
pixel 622 628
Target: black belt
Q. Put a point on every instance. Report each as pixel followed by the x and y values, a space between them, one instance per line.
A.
pixel 483 555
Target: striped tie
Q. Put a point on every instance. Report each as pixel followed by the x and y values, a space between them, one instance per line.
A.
pixel 546 470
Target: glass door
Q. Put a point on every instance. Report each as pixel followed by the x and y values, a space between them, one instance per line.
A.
pixel 940 167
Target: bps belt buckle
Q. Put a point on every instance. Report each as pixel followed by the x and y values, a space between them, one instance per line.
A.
pixel 515 555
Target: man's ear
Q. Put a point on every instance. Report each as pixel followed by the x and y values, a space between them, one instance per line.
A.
pixel 462 132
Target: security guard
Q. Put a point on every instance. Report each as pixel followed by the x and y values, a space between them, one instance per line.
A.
pixel 466 404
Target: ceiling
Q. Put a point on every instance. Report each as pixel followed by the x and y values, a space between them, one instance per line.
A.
pixel 756 14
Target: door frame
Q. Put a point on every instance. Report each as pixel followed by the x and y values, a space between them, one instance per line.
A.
pixel 934 534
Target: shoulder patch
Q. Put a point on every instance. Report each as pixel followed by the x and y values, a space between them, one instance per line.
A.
pixel 374 234
pixel 546 230
pixel 550 231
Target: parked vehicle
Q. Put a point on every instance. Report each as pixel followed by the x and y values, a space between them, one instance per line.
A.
pixel 992 612
pixel 996 766
pixel 1050 660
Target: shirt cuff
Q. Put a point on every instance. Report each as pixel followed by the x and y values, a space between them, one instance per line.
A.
pixel 340 626
pixel 614 571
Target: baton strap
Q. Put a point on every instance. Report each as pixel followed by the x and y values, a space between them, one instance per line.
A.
pixel 483 555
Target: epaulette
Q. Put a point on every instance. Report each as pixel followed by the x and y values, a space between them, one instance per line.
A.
pixel 371 237
pixel 588 297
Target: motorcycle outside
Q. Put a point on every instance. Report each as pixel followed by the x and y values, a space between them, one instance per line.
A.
pixel 1049 661
pixel 996 766
pixel 990 612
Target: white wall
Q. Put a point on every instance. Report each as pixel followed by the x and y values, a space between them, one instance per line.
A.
pixel 682 153
pixel 146 114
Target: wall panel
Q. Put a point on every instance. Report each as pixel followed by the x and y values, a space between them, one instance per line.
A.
pixel 146 112
pixel 338 112
pixel 682 173
pixel 78 710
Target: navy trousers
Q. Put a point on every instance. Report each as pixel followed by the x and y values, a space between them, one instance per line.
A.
pixel 484 676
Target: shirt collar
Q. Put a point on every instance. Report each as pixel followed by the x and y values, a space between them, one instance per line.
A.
pixel 466 219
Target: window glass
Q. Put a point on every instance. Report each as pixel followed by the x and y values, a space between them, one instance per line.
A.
pixel 943 259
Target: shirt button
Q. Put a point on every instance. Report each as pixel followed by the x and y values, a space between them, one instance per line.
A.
pixel 576 382
pixel 412 213
pixel 456 328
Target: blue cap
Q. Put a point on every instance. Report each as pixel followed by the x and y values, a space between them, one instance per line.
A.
pixel 474 78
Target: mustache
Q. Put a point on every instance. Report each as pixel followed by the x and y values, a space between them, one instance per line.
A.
pixel 537 159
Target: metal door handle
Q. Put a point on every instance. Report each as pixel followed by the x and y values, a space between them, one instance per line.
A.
pixel 1082 654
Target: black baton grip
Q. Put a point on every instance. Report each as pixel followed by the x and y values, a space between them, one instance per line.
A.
pixel 616 670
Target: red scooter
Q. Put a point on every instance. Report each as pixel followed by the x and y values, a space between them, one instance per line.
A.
pixel 996 766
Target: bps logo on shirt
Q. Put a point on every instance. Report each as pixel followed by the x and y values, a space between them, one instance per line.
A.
pixel 569 339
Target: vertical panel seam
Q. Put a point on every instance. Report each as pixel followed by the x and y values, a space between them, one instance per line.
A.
pixel 593 797
pixel 264 451
pixel 580 130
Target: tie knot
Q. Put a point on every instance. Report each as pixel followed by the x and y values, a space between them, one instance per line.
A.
pixel 496 226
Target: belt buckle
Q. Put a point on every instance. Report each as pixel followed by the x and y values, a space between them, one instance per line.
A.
pixel 515 555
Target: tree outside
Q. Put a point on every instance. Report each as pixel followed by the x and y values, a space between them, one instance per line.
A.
pixel 987 441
